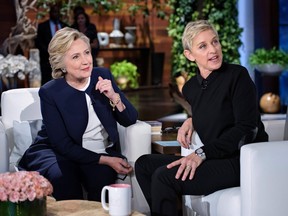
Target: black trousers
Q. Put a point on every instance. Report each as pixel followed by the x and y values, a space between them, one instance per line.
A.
pixel 69 179
pixel 161 189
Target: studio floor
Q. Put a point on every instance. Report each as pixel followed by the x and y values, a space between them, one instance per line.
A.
pixel 154 103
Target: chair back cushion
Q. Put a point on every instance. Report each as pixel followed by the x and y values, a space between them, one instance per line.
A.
pixel 19 105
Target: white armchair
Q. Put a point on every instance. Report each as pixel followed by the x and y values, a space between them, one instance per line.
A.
pixel 23 104
pixel 263 187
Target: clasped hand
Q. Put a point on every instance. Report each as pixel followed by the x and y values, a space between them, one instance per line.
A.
pixel 120 165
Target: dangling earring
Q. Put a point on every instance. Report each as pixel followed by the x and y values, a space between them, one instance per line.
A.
pixel 63 70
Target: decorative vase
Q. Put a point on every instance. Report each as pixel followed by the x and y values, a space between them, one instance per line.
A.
pixel 270 69
pixel 116 35
pixel 270 103
pixel 130 36
pixel 122 82
pixel 103 38
pixel 10 82
pixel 36 207
pixel 34 78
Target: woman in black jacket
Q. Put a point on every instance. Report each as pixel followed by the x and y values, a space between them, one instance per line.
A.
pixel 224 114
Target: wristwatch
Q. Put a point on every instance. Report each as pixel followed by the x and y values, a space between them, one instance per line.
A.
pixel 200 153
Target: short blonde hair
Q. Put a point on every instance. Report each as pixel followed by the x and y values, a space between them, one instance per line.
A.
pixel 59 45
pixel 192 29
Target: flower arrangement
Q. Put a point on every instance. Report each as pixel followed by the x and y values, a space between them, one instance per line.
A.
pixel 18 66
pixel 23 185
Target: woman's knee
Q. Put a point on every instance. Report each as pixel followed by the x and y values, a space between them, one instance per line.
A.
pixel 140 163
pixel 65 181
pixel 144 165
pixel 164 175
pixel 141 160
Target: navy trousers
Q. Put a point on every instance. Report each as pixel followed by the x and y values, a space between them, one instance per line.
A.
pixel 69 179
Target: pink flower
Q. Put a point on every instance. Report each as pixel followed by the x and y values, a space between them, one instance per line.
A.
pixel 23 185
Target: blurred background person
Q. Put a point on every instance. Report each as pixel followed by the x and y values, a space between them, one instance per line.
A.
pixel 78 9
pixel 45 32
pixel 82 23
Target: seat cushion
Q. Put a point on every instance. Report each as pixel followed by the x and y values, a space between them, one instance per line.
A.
pixel 226 202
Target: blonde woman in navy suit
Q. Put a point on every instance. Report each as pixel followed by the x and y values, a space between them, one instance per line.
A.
pixel 78 144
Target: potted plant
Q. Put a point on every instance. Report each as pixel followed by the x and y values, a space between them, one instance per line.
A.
pixel 270 61
pixel 125 74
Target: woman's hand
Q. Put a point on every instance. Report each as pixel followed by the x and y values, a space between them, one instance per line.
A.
pixel 188 166
pixel 105 87
pixel 120 165
pixel 185 133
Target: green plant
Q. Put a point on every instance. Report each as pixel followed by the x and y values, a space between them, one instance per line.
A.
pixel 221 13
pixel 125 70
pixel 269 56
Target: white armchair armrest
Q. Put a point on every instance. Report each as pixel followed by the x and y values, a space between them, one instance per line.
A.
pixel 135 141
pixel 264 179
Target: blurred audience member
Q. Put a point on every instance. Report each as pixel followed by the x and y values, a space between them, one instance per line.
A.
pixel 78 9
pixel 45 32
pixel 82 23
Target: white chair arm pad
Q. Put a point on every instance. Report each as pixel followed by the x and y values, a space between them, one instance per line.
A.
pixel 135 140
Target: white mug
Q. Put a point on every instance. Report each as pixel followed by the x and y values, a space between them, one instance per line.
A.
pixel 119 198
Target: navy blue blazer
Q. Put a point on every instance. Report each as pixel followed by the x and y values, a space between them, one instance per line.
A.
pixel 65 117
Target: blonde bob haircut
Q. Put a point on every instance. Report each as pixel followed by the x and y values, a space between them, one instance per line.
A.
pixel 192 29
pixel 59 45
